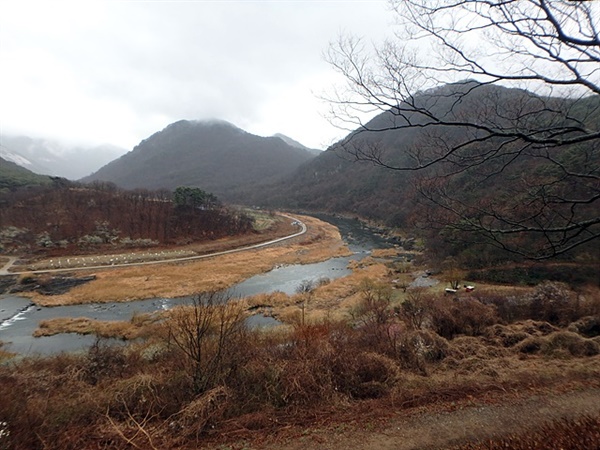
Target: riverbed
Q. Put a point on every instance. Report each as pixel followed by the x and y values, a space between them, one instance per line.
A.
pixel 19 318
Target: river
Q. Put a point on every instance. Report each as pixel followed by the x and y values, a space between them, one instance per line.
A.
pixel 19 318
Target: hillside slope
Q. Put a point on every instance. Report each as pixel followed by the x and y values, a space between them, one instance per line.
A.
pixel 14 176
pixel 338 180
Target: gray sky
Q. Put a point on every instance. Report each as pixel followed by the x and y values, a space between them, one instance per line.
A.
pixel 118 71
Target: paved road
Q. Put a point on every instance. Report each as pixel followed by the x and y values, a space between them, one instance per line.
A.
pixel 303 229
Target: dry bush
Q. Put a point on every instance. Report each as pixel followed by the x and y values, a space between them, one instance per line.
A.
pixel 374 306
pixel 536 327
pixel 504 335
pixel 305 375
pixel 364 375
pixel 47 405
pixel 553 302
pixel 290 369
pixel 469 346
pixel 588 326
pixel 200 413
pixel 257 386
pixel 573 343
pixel 209 334
pixel 559 344
pixel 414 308
pixel 137 396
pixel 104 361
pixel 532 344
pixel 450 317
pixel 418 348
pixel 581 433
pixel 510 307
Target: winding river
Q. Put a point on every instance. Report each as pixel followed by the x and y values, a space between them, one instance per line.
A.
pixel 19 318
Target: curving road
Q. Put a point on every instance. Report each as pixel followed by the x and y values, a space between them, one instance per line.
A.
pixel 11 260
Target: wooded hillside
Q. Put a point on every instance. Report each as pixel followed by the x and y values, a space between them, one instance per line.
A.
pixel 72 216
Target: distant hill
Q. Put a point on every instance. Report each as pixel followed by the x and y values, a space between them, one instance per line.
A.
pixel 14 176
pixel 49 157
pixel 288 140
pixel 215 156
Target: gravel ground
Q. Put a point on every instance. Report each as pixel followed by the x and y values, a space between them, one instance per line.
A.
pixel 423 280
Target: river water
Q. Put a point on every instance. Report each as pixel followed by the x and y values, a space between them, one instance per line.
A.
pixel 19 318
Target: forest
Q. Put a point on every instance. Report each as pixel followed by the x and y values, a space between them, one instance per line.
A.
pixel 72 217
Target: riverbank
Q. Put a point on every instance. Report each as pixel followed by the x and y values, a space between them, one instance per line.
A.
pixel 182 278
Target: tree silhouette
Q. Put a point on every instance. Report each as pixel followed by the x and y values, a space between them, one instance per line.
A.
pixel 496 94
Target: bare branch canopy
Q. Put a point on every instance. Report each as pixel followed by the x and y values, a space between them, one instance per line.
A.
pixel 474 95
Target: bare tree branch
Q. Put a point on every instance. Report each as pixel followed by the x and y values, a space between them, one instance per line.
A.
pixel 472 86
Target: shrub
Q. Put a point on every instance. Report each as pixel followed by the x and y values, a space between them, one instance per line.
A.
pixel 414 309
pixel 559 344
pixel 588 326
pixel 128 242
pixel 453 316
pixel 89 241
pixel 420 347
pixel 532 344
pixel 505 336
pixel 573 343
pixel 210 335
pixel 104 361
pixel 553 302
pixel 364 375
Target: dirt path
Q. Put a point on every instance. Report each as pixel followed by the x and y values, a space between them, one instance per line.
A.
pixel 443 429
pixel 8 265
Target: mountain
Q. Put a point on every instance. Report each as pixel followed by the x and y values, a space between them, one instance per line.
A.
pixel 335 182
pixel 12 176
pixel 288 140
pixel 215 156
pixel 49 157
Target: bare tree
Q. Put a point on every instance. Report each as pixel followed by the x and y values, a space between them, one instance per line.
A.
pixel 305 289
pixel 443 81
pixel 209 333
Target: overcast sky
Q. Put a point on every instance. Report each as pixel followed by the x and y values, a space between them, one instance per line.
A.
pixel 118 71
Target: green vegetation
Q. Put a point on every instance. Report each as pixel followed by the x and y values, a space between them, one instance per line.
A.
pixel 13 176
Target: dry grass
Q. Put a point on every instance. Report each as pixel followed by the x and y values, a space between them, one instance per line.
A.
pixel 137 327
pixel 385 252
pixel 143 395
pixel 321 242
pixel 331 301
